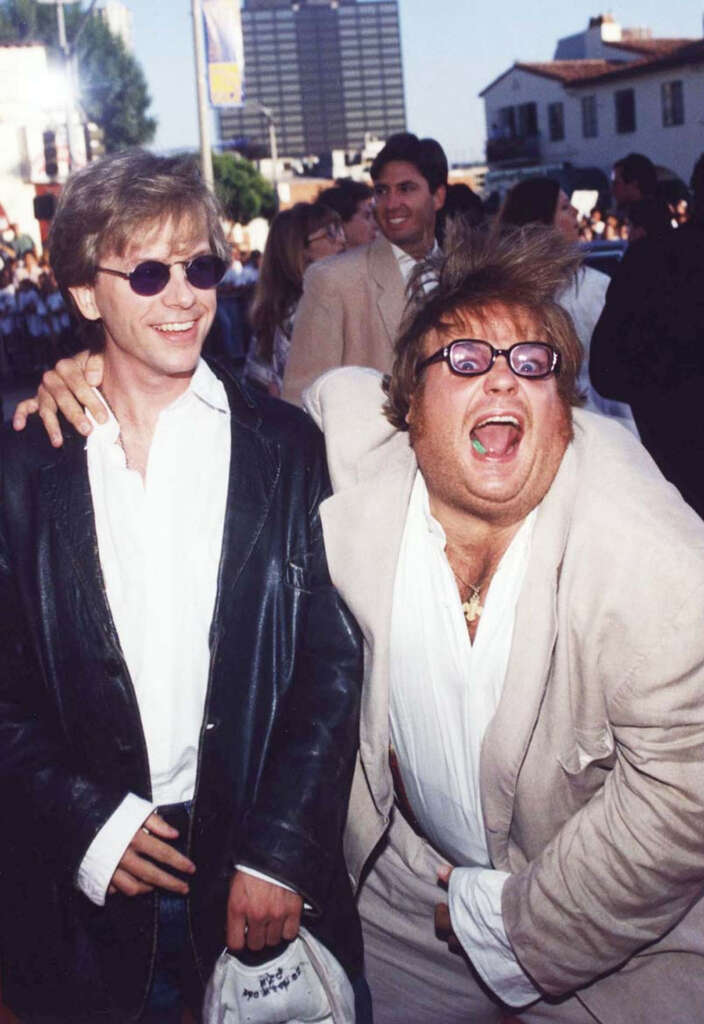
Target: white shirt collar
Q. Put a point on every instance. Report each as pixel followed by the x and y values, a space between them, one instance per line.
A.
pixel 203 385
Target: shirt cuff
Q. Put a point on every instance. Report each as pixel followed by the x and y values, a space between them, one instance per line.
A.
pixel 268 878
pixel 105 852
pixel 475 913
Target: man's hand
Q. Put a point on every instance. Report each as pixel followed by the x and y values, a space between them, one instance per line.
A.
pixel 66 388
pixel 443 924
pixel 260 913
pixel 135 874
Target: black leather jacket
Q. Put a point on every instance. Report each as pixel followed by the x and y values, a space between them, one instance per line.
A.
pixel 278 736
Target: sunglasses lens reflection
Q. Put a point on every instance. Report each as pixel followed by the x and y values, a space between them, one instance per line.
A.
pixel 151 276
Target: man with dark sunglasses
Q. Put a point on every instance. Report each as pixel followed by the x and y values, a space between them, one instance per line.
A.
pixel 527 819
pixel 178 677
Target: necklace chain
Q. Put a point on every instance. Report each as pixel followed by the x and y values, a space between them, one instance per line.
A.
pixel 471 606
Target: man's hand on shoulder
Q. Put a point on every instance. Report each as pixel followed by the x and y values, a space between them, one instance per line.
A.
pixel 260 913
pixel 68 389
pixel 139 871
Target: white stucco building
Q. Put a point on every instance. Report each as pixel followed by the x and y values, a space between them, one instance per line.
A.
pixel 608 92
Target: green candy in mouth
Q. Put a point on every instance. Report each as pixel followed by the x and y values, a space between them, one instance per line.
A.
pixel 478 446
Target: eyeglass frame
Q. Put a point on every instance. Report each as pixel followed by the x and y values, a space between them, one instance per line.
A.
pixel 443 355
pixel 162 263
pixel 332 230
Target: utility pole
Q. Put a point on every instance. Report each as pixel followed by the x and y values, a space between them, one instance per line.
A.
pixel 70 67
pixel 206 157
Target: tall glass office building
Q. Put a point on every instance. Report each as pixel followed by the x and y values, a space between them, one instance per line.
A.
pixel 329 70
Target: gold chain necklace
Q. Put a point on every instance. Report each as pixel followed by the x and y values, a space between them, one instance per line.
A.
pixel 471 607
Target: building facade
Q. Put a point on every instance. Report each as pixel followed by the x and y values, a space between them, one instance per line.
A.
pixel 609 92
pixel 328 70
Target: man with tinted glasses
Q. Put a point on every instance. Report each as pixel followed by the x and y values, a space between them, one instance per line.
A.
pixel 531 594
pixel 178 678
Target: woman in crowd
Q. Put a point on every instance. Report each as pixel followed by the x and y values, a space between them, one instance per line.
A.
pixel 541 200
pixel 354 201
pixel 297 237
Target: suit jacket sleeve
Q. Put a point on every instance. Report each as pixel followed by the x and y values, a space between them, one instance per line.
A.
pixel 625 867
pixel 47 805
pixel 294 831
pixel 627 356
pixel 317 343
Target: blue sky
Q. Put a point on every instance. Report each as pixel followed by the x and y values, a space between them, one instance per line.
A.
pixel 451 50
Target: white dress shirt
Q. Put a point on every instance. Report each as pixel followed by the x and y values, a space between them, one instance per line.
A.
pixel 159 542
pixel 444 693
pixel 407 264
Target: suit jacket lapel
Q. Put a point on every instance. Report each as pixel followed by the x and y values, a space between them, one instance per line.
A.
pixel 390 289
pixel 363 527
pixel 535 631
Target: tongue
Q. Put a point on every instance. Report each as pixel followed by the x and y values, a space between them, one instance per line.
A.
pixel 496 438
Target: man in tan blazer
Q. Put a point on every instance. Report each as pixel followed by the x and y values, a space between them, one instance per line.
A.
pixel 531 595
pixel 352 304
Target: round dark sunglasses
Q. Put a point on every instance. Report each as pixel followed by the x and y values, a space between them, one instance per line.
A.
pixel 470 357
pixel 152 276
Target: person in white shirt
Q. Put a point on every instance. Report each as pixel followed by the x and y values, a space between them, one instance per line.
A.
pixel 178 678
pixel 527 819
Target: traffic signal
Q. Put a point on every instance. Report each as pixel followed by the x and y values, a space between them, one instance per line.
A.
pixel 51 159
pixel 95 141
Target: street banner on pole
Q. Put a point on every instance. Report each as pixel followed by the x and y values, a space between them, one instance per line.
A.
pixel 223 31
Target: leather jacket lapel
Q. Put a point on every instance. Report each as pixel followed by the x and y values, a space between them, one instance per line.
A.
pixel 255 467
pixel 66 504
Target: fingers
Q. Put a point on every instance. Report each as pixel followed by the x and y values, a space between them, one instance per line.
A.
pixel 261 913
pixel 122 881
pixel 444 872
pixel 23 410
pixel 156 824
pixel 150 874
pixel 145 844
pixel 142 865
pixel 443 928
pixel 54 394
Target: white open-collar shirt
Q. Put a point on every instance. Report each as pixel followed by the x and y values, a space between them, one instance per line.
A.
pixel 444 693
pixel 159 542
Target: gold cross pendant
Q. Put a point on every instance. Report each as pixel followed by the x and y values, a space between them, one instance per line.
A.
pixel 472 608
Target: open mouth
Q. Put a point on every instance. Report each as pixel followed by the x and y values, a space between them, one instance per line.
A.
pixel 496 437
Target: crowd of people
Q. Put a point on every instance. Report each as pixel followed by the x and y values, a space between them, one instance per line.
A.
pixel 35 327
pixel 415 672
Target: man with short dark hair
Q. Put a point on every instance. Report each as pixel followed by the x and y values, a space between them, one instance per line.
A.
pixel 633 178
pixel 178 678
pixel 531 594
pixel 352 304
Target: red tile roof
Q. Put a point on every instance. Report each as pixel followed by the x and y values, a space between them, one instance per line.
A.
pixel 657 54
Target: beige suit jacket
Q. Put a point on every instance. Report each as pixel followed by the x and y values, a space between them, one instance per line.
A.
pixel 592 770
pixel 349 314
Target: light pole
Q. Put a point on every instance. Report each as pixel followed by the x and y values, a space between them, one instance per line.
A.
pixel 70 69
pixel 206 156
pixel 273 148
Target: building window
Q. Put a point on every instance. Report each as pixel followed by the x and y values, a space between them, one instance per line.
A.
pixel 556 121
pixel 527 120
pixel 590 127
pixel 625 103
pixel 672 103
pixel 507 123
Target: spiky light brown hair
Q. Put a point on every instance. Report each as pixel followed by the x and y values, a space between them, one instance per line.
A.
pixel 523 269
